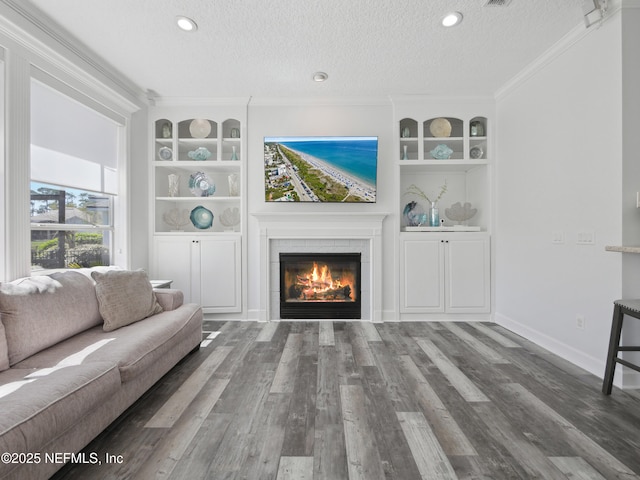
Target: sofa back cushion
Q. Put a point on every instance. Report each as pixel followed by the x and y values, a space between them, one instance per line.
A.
pixel 40 311
pixel 4 353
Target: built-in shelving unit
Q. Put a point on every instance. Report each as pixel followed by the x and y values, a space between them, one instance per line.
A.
pixel 198 203
pixel 443 150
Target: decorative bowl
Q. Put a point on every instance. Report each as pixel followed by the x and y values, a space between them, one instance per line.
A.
pixel 200 153
pixel 201 185
pixel 201 217
pixel 441 152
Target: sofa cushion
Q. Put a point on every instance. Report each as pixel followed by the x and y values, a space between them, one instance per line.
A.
pixel 4 353
pixel 134 347
pixel 124 297
pixel 38 312
pixel 39 405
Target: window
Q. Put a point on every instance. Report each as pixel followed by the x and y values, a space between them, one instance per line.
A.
pixel 74 181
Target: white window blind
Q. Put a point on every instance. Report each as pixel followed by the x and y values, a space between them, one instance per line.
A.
pixel 71 144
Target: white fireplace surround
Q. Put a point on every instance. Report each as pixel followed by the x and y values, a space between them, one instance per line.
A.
pixel 321 232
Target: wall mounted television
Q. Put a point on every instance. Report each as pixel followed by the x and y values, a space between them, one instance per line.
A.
pixel 320 169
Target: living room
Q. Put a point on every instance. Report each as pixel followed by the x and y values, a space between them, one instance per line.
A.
pixel 559 180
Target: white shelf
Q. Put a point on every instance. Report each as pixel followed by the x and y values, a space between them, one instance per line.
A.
pixel 199 199
pixel 446 228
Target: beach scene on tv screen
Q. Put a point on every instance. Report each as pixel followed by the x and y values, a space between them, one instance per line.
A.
pixel 320 169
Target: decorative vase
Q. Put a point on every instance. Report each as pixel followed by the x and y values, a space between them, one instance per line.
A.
pixel 174 185
pixel 166 130
pixel 234 186
pixel 234 155
pixel 434 217
pixel 404 153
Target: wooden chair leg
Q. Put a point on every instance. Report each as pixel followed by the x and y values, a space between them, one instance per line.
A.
pixel 614 344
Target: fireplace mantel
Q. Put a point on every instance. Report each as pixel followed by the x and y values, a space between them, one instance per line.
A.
pixel 301 221
pixel 322 225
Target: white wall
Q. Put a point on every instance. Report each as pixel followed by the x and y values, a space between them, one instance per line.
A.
pixel 274 118
pixel 559 169
pixel 631 176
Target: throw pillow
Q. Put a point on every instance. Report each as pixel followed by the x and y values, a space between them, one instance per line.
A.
pixel 40 311
pixel 124 297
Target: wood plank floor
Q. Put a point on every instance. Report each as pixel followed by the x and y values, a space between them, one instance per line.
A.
pixel 339 400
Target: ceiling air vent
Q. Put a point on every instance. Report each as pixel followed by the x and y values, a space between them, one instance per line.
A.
pixel 497 3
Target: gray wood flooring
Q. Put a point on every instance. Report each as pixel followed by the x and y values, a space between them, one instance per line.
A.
pixel 339 400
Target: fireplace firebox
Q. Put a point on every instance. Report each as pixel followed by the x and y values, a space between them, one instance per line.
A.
pixel 320 285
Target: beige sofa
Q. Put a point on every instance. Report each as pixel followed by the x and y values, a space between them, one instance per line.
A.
pixel 74 355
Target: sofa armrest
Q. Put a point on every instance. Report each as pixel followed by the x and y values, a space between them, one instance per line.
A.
pixel 169 298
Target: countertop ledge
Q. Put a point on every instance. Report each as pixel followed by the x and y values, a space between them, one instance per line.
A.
pixel 622 249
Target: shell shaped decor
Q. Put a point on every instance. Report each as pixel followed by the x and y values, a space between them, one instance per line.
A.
pixel 460 213
pixel 230 217
pixel 176 218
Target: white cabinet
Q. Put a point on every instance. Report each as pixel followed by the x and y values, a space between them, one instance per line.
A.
pixel 445 273
pixel 207 270
pixel 198 202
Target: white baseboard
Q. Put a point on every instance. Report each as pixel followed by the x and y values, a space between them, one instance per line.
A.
pixel 587 362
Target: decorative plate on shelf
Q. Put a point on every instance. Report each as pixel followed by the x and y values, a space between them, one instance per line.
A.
pixel 165 153
pixel 440 127
pixel 200 128
pixel 201 185
pixel 201 217
pixel 476 152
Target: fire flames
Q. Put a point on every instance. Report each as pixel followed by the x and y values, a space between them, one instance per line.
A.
pixel 319 285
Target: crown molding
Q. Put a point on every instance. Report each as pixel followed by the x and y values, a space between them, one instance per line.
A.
pixel 574 36
pixel 198 101
pixel 32 31
pixel 319 101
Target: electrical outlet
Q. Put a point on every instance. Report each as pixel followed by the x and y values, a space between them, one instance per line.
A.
pixel 586 237
pixel 580 323
pixel 557 237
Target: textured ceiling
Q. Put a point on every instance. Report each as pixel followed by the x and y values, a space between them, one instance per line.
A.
pixel 271 48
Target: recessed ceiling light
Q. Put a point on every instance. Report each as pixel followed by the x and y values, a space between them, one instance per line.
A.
pixel 451 19
pixel 186 24
pixel 320 76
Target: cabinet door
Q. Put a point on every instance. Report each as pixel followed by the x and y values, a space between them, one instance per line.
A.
pixel 422 276
pixel 220 286
pixel 172 261
pixel 468 276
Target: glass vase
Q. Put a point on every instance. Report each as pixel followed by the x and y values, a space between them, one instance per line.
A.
pixel 434 216
pixel 174 185
pixel 234 185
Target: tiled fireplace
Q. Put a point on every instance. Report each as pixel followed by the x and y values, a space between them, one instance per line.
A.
pixel 348 246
